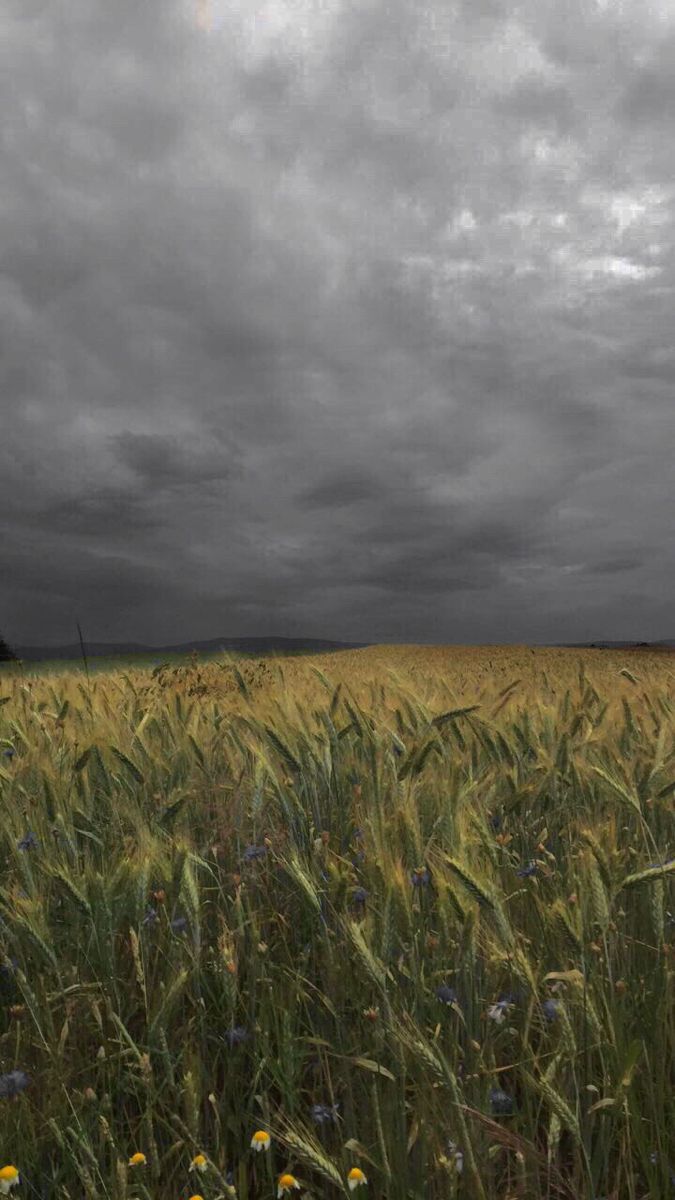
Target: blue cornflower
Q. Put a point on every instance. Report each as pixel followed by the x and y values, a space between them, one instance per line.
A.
pixel 179 924
pixel 229 1179
pixel 9 752
pixel 358 857
pixel 501 1103
pixel 13 1083
pixel 29 842
pixel 151 916
pixel 252 853
pixel 530 869
pixel 498 1012
pixel 446 994
pixel 550 1009
pixel 420 877
pixel 321 1113
pixel 360 896
pixel 236 1035
pixel 496 822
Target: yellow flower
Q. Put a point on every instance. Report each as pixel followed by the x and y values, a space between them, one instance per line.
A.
pixel 199 1163
pixel 137 1160
pixel 196 1197
pixel 261 1141
pixel 286 1182
pixel 355 1178
pixel 9 1177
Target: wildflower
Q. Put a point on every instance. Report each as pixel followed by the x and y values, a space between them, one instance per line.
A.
pixel 9 1177
pixel 371 1014
pixel 198 1163
pixel 530 869
pixel 286 1182
pixel 446 995
pixel 550 1009
pixel 324 1112
pixel 358 857
pixel 359 897
pixel 179 924
pixel 356 1178
pixel 151 916
pixel 9 752
pixel 458 1156
pixel 29 842
pixel 252 853
pixel 13 1083
pixel 137 1160
pixel 196 1197
pixel 498 1012
pixel 501 1103
pixel 496 822
pixel 420 877
pixel 261 1141
pixel 236 1035
pixel 159 895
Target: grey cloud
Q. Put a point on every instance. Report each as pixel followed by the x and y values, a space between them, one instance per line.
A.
pixel 341 490
pixel 108 514
pixel 334 329
pixel 540 103
pixel 162 460
pixel 617 566
pixel 648 99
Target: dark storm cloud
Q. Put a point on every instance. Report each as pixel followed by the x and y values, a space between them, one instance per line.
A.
pixel 105 513
pixel 342 489
pixel 535 100
pixel 164 461
pixel 336 319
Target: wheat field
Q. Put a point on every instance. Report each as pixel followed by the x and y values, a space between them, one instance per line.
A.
pixel 405 912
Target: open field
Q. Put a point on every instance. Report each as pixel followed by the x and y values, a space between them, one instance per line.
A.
pixel 407 909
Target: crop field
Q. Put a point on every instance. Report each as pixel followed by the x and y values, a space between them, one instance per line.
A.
pixel 396 922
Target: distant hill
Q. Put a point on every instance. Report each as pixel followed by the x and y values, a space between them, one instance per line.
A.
pixel 259 646
pixel 666 645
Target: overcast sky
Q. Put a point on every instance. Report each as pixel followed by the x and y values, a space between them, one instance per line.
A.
pixel 337 318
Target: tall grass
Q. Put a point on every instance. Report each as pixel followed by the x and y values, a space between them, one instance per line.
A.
pixel 447 923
